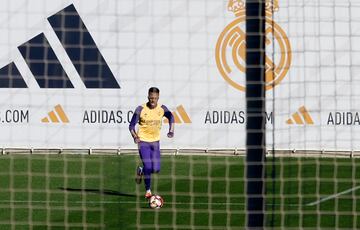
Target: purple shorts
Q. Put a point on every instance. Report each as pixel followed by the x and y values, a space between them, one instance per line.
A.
pixel 150 156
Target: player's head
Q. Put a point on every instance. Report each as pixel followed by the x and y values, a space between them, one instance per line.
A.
pixel 153 97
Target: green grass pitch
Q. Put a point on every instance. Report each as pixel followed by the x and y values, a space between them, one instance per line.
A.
pixel 200 192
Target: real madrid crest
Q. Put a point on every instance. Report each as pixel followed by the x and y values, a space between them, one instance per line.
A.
pixel 231 48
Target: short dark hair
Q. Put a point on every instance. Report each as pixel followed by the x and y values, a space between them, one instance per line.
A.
pixel 154 90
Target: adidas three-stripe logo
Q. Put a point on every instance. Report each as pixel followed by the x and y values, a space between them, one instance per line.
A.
pixel 46 67
pixel 56 116
pixel 183 118
pixel 302 116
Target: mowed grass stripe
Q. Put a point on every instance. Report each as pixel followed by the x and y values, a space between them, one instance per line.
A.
pixel 71 187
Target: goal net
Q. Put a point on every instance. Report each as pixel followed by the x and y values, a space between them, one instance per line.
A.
pixel 312 159
pixel 73 72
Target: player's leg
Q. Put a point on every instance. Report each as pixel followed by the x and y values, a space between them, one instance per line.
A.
pixel 156 161
pixel 139 169
pixel 145 155
pixel 139 174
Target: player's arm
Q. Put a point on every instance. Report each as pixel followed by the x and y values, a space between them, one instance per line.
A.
pixel 171 119
pixel 134 120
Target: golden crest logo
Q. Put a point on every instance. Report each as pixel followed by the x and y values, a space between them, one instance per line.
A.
pixel 55 116
pixel 183 118
pixel 301 117
pixel 230 51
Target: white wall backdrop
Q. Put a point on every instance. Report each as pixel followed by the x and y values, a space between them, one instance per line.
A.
pixel 173 45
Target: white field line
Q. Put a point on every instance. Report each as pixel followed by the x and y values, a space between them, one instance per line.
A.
pixel 104 202
pixel 332 196
pixel 2 202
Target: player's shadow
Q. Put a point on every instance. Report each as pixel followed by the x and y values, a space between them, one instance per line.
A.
pixel 98 191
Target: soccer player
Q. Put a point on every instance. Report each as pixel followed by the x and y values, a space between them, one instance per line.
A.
pixel 149 117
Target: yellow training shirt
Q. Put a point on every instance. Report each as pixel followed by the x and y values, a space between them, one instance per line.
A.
pixel 150 121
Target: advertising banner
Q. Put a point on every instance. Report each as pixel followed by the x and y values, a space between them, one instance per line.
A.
pixel 73 72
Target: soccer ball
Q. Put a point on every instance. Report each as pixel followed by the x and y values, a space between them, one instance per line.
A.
pixel 156 201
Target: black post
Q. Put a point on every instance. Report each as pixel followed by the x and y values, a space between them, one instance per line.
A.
pixel 255 105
